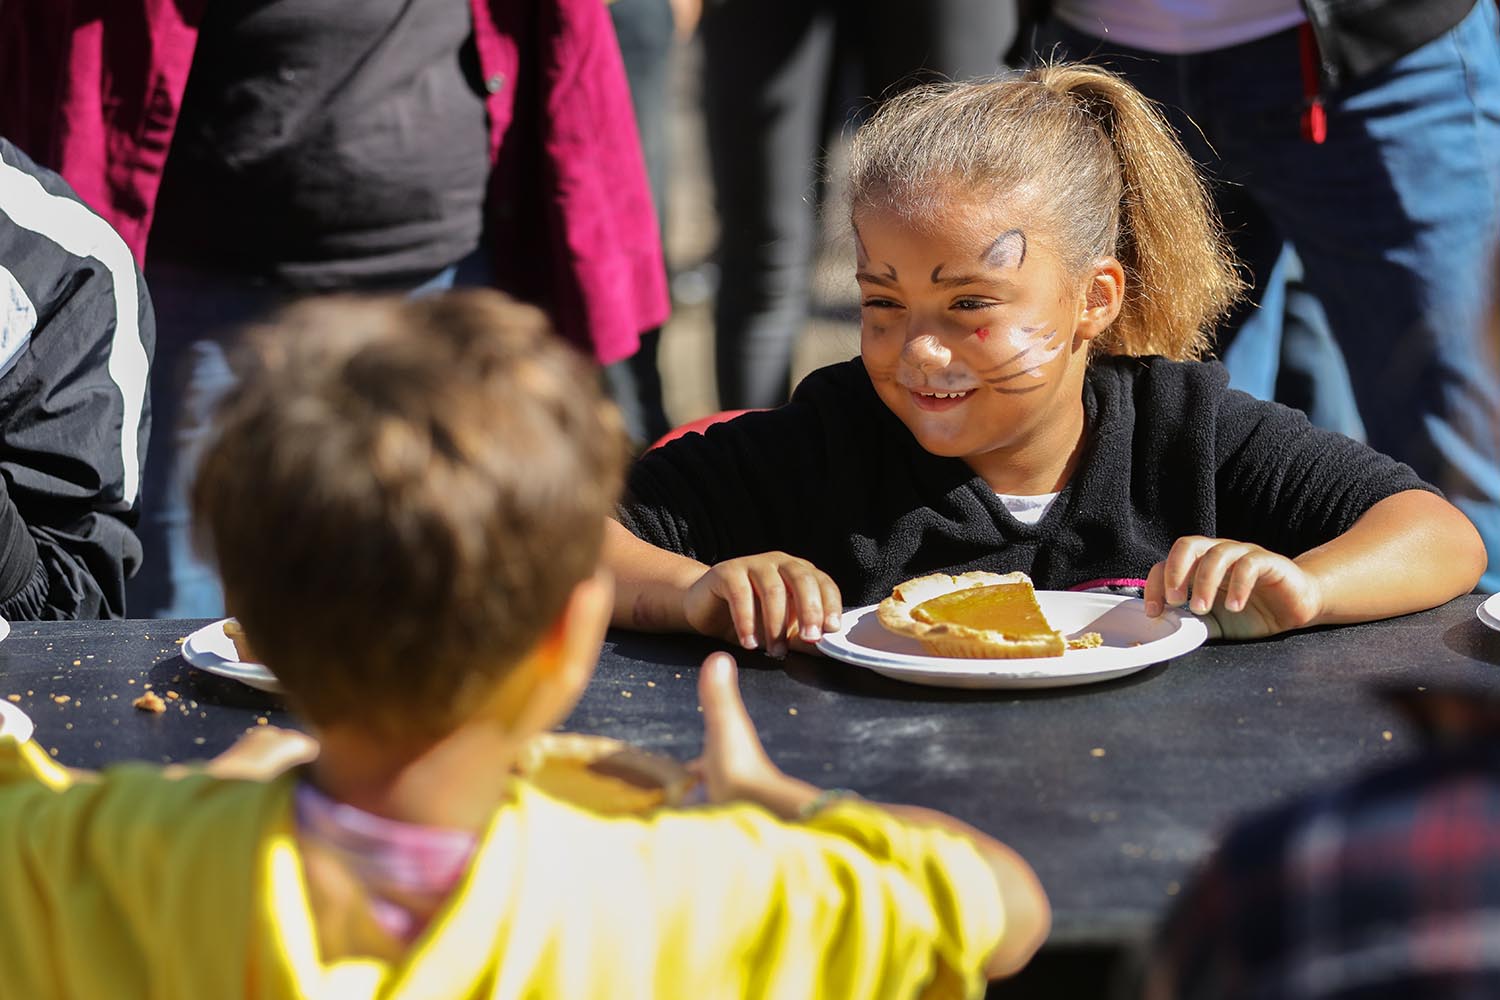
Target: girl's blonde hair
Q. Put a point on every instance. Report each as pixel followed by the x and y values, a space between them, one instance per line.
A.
pixel 1096 166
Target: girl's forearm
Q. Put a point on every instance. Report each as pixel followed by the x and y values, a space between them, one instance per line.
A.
pixel 649 582
pixel 1409 552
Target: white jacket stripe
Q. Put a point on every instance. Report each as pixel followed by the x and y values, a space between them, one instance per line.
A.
pixel 71 225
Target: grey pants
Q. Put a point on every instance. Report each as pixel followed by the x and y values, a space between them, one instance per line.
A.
pixel 777 78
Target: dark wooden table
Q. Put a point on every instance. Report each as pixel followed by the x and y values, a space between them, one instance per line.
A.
pixel 1112 791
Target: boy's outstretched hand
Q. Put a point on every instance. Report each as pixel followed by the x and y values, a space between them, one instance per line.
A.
pixel 734 766
pixel 1242 590
pixel 764 600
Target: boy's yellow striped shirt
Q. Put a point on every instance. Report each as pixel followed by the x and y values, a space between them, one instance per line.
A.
pixel 143 886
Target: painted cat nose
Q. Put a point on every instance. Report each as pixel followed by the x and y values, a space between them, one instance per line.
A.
pixel 925 351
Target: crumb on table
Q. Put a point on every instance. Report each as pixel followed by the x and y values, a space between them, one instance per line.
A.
pixel 150 702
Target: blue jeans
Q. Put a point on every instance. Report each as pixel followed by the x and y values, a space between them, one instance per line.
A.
pixel 1283 349
pixel 1393 221
pixel 199 315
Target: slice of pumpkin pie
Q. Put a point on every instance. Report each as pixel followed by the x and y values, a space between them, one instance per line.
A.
pixel 603 775
pixel 976 615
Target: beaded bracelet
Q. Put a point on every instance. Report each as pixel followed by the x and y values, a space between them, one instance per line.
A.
pixel 823 800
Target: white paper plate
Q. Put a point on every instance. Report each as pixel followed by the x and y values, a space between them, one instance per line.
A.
pixel 209 649
pixel 1489 611
pixel 1131 642
pixel 14 722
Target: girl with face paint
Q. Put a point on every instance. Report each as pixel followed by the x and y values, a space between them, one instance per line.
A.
pixel 1039 269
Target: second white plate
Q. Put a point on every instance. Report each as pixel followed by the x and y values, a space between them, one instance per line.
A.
pixel 209 649
pixel 1132 641
pixel 1489 611
pixel 14 722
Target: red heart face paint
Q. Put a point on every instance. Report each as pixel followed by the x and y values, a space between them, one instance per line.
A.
pixel 983 333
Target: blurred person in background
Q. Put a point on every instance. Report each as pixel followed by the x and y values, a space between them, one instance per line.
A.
pixel 254 151
pixel 771 74
pixel 1355 146
pixel 649 32
pixel 1379 888
pixel 76 335
pixel 1383 886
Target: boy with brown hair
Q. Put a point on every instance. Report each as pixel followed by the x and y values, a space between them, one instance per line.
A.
pixel 429 481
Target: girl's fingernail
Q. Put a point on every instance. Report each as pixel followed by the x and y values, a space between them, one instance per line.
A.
pixel 1153 608
pixel 833 623
pixel 811 633
pixel 748 641
pixel 778 649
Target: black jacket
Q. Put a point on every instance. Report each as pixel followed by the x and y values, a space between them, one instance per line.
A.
pixel 1358 37
pixel 1355 37
pixel 76 337
pixel 836 478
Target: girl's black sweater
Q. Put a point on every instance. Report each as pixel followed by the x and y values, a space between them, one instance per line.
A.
pixel 835 477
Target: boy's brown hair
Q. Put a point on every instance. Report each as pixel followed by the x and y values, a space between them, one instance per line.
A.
pixel 1093 161
pixel 400 497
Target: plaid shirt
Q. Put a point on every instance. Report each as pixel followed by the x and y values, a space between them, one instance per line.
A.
pixel 1386 887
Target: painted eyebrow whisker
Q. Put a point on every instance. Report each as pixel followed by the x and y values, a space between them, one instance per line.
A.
pixel 1018 355
pixel 1011 377
pixel 1049 346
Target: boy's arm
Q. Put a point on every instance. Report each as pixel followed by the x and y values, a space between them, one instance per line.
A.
pixel 1028 915
pixel 735 767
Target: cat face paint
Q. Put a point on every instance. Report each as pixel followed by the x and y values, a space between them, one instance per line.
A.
pixel 1026 369
pixel 968 340
pixel 1008 252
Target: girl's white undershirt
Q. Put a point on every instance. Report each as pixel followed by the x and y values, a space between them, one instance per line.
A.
pixel 1027 510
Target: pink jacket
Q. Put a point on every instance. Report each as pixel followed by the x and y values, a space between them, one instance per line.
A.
pixel 93 88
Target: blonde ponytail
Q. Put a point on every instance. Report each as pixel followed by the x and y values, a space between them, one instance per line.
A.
pixel 1093 162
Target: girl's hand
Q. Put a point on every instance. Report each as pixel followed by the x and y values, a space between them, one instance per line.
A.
pixel 734 766
pixel 762 600
pixel 1243 590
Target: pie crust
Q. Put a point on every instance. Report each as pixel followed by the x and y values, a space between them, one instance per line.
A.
pixel 1026 632
pixel 603 775
pixel 235 632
